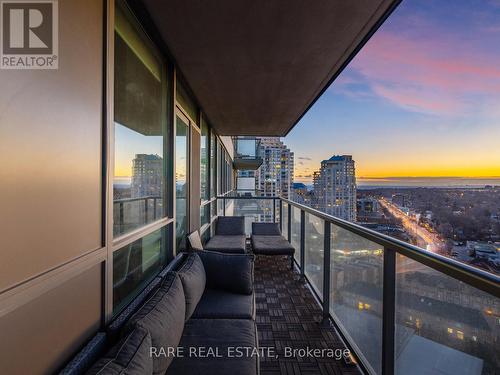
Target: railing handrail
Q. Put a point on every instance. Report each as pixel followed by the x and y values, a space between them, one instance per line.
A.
pixel 124 200
pixel 473 276
pixel 226 196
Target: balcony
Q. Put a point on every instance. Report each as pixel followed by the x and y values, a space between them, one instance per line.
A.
pixel 398 308
pixel 246 153
pixel 160 92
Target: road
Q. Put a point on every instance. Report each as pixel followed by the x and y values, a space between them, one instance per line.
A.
pixel 425 239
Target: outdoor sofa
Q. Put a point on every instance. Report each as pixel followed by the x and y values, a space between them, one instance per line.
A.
pixel 201 300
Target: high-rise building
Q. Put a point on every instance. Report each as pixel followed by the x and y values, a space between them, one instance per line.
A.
pixel 147 175
pixel 335 187
pixel 300 193
pixel 275 176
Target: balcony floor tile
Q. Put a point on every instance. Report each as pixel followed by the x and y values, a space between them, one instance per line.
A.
pixel 288 316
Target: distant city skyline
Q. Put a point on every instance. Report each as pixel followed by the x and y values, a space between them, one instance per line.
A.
pixel 420 99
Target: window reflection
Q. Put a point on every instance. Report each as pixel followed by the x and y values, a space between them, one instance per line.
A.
pixel 134 266
pixel 138 168
pixel 204 182
pixel 181 186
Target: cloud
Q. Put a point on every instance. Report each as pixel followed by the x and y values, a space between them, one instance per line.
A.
pixel 304 158
pixel 425 75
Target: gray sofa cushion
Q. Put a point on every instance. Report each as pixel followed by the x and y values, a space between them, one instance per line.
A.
pixel 266 229
pixel 130 356
pixel 229 272
pixel 271 245
pixel 222 334
pixel 227 244
pixel 163 317
pixel 230 225
pixel 219 304
pixel 193 278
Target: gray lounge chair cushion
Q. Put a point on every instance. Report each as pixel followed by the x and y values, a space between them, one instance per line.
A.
pixel 130 356
pixel 271 245
pixel 266 229
pixel 227 244
pixel 193 278
pixel 230 225
pixel 229 272
pixel 219 304
pixel 223 334
pixel 163 317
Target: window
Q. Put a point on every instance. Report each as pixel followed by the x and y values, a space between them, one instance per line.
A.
pixel 213 165
pixel 181 179
pixel 139 127
pixel 135 265
pixel 204 172
pixel 185 101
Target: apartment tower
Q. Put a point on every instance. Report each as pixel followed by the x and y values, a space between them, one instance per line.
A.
pixel 335 187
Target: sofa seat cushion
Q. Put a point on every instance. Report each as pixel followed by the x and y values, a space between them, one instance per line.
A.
pixel 221 335
pixel 271 245
pixel 219 304
pixel 130 356
pixel 227 244
pixel 163 316
pixel 193 278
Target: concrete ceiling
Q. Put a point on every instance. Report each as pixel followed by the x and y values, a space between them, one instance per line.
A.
pixel 257 66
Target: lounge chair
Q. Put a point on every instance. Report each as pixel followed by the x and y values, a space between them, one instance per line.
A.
pixel 268 240
pixel 229 236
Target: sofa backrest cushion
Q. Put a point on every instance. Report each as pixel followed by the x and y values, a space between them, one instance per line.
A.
pixel 266 229
pixel 114 330
pixel 229 272
pixel 193 278
pixel 195 241
pixel 230 225
pixel 163 316
pixel 130 356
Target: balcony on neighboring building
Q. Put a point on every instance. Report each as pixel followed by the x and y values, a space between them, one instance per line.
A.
pixel 246 153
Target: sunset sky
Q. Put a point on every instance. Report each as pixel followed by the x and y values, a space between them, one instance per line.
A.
pixel 421 99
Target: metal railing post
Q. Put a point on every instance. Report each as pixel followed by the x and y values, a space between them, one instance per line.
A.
pixel 326 275
pixel 302 244
pixel 388 311
pixel 223 206
pixel 281 215
pixel 274 210
pixel 289 224
pixel 145 210
pixel 154 208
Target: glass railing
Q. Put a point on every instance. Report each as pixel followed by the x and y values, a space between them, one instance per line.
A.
pixel 253 207
pixel 246 148
pixel 399 308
